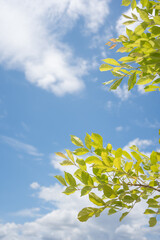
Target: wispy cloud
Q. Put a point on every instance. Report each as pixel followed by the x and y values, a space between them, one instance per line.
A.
pixel 32 213
pixel 21 147
pixel 31 40
pixel 142 144
pixel 122 92
pixel 119 128
pixel 155 124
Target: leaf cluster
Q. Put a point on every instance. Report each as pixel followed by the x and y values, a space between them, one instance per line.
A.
pixel 141 65
pixel 113 179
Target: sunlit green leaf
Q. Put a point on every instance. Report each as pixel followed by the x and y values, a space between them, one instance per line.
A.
pixel 70 179
pixel 152 221
pixel 77 141
pixel 111 61
pixel 61 180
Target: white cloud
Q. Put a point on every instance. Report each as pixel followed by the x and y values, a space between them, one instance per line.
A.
pixel 140 143
pixel 109 105
pixel 31 40
pixel 33 212
pixel 119 128
pixel 141 89
pixel 34 185
pixel 155 124
pixel 62 222
pixel 122 92
pixel 22 147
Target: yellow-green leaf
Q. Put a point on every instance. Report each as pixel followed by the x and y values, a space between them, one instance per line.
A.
pixel 76 141
pixel 152 221
pixel 93 160
pixel 60 154
pixel 117 163
pixel 61 180
pixel 126 2
pixel 111 61
pixel 96 200
pixel 105 67
pixel 128 166
pixel 70 179
pixel 80 151
pixel 70 155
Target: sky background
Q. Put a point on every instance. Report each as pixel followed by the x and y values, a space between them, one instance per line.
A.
pixel 51 88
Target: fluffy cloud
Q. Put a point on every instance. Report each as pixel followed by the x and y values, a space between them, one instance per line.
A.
pixel 31 40
pixel 62 222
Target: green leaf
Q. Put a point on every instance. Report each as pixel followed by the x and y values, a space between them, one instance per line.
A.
pixel 117 163
pixel 133 4
pixel 60 154
pixel 76 141
pixel 66 163
pixel 93 160
pixel 70 179
pixel 128 199
pixel 70 155
pixel 126 154
pixel 152 201
pixel 153 157
pixel 134 16
pixel 126 16
pixel 125 186
pixel 80 151
pixel 131 81
pixel 128 166
pixel 111 211
pixel 143 14
pixel 105 67
pixel 123 216
pixel 96 200
pixel 157 20
pixel 111 61
pixel 155 30
pixel 108 82
pixel 69 190
pixel 86 178
pixel 136 156
pixel 152 221
pixel 149 211
pixel 151 88
pixel 129 22
pixel 126 2
pixel 81 164
pixel 97 140
pixel 108 191
pixel 126 59
pixel 116 84
pixel 85 190
pixel 145 80
pixel 118 153
pixel 61 180
pixel 88 141
pixel 144 3
pixel 85 214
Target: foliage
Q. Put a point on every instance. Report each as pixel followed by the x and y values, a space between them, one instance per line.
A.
pixel 115 179
pixel 142 46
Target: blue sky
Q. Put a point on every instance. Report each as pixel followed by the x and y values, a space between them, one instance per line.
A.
pixel 51 88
